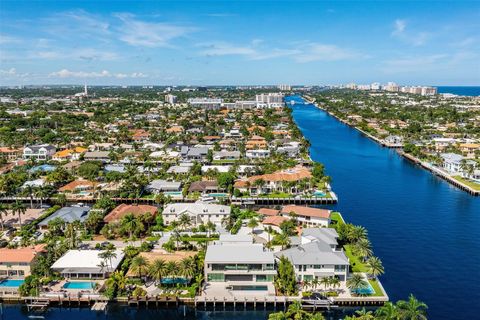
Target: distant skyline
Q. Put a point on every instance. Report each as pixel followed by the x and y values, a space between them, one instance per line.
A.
pixel 239 42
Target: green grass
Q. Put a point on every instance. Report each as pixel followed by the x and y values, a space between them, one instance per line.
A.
pixel 337 217
pixel 471 184
pixel 355 262
pixel 376 287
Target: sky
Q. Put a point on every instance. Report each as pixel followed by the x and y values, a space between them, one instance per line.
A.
pixel 239 42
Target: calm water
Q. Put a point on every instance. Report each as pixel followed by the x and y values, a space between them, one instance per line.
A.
pixel 461 91
pixel 426 232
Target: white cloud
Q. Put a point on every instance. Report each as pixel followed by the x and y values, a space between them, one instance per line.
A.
pixel 325 52
pixel 4 39
pixel 415 38
pixel 252 51
pixel 149 34
pixel 88 54
pixel 65 73
pixel 9 72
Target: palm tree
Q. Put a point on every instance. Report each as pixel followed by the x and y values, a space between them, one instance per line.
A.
pixel 131 223
pixel 108 255
pixel 334 282
pixel 19 208
pixel 412 309
pixel 356 282
pixel 325 281
pixel 355 233
pixel 375 267
pixel 71 235
pixel 172 269
pixel 187 267
pixel 184 220
pixel 388 311
pixel 139 266
pixel 29 191
pixel 284 240
pixel 252 223
pixel 157 269
pixel 363 248
pixel 3 212
pixel 41 193
pixel 315 283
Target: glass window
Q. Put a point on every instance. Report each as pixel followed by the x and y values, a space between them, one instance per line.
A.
pixel 216 277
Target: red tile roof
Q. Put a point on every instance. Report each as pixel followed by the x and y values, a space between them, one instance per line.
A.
pixel 124 209
pixel 306 211
pixel 25 255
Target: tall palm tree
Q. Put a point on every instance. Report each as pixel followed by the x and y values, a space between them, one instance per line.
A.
pixel 29 190
pixel 139 266
pixel 108 255
pixel 355 233
pixel 3 212
pixel 188 267
pixel 184 221
pixel 41 193
pixel 252 223
pixel 334 282
pixel 315 283
pixel 172 269
pixel 412 309
pixel 19 208
pixel 158 269
pixel 356 282
pixel 131 223
pixel 363 248
pixel 325 281
pixel 284 240
pixel 374 267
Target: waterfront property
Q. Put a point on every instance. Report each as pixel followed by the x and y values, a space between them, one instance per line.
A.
pixel 307 216
pixel 87 264
pixel 199 212
pixel 315 255
pixel 67 214
pixel 16 263
pixel 236 264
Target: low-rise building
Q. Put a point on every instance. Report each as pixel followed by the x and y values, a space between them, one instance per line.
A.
pixel 67 214
pixel 199 212
pixel 157 186
pixel 87 264
pixel 17 262
pixel 308 216
pixel 40 152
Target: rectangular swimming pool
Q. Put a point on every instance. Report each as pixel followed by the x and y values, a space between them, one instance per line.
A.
pixel 249 288
pixel 365 291
pixel 79 285
pixel 11 283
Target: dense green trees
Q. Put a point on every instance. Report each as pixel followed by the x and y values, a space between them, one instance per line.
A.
pixel 285 281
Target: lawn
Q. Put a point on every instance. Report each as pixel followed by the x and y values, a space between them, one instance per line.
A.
pixel 355 262
pixel 337 217
pixel 471 184
pixel 376 287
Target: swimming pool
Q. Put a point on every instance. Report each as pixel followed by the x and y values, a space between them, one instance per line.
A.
pixel 218 195
pixel 364 291
pixel 173 193
pixel 11 283
pixel 249 288
pixel 174 281
pixel 79 285
pixel 319 194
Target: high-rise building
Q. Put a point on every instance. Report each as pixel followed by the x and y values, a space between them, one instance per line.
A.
pixel 285 87
pixel 170 98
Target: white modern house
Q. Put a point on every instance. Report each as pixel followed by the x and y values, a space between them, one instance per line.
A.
pixel 236 264
pixel 40 152
pixel 452 162
pixel 87 264
pixel 316 255
pixel 307 216
pixel 199 212
pixel 257 154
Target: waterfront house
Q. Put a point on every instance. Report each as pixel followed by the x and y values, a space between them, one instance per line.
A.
pixel 276 182
pixel 317 256
pixel 87 264
pixel 236 265
pixel 199 212
pixel 257 154
pixel 452 162
pixel 205 186
pixel 307 216
pixel 39 152
pixel 17 262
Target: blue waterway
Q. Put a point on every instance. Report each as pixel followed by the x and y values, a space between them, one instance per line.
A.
pixel 461 91
pixel 426 231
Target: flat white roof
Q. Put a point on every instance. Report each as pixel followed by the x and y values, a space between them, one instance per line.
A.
pixel 238 253
pixel 87 261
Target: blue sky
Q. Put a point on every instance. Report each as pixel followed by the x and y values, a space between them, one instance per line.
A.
pixel 239 42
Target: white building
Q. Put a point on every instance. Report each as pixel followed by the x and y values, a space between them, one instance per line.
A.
pixel 87 264
pixel 269 100
pixel 257 154
pixel 39 152
pixel 316 256
pixel 206 103
pixel 170 99
pixel 199 212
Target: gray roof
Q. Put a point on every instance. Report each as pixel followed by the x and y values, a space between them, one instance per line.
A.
pixel 96 154
pixel 315 252
pixel 68 214
pixel 451 157
pixel 178 169
pixel 238 253
pixel 327 235
pixel 163 185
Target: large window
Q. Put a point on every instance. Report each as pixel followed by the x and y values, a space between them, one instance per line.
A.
pixel 264 278
pixel 216 277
